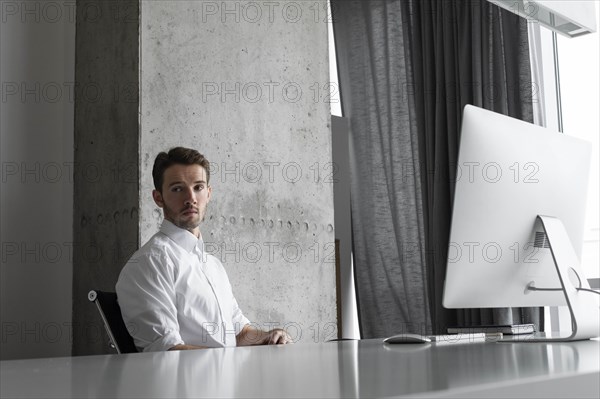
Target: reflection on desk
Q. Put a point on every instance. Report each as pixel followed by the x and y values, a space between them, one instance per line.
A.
pixel 335 369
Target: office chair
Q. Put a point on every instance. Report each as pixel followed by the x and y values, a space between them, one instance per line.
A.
pixel 109 310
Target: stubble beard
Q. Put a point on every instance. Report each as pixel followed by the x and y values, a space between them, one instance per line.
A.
pixel 184 223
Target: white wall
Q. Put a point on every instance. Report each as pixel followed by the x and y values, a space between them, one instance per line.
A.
pixel 36 126
pixel 247 85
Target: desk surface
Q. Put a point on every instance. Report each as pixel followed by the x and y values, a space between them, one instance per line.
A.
pixel 335 369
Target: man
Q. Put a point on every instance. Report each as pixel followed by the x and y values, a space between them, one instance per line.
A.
pixel 173 294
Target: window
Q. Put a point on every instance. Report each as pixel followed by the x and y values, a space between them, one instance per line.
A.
pixel 578 67
pixel 572 106
pixel 569 93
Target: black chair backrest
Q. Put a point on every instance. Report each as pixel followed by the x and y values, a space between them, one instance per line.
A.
pixel 109 310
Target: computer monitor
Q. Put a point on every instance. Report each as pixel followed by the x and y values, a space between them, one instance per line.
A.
pixel 518 220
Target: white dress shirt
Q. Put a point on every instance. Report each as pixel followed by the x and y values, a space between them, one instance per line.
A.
pixel 171 292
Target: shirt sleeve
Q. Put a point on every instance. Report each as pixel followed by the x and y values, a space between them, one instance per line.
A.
pixel 146 294
pixel 238 318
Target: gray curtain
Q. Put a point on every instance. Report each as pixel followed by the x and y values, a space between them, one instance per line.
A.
pixel 386 204
pixel 407 68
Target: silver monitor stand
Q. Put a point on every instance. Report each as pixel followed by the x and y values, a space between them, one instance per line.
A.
pixel 583 307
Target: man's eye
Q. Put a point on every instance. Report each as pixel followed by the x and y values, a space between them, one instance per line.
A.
pixel 176 189
pixel 199 187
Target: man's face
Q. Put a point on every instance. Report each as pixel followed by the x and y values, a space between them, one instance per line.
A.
pixel 185 194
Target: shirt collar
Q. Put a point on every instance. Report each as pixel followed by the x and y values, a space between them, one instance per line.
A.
pixel 181 237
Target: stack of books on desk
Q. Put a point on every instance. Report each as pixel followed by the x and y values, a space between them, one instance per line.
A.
pixel 510 329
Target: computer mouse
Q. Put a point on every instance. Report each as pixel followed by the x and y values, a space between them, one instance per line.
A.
pixel 407 338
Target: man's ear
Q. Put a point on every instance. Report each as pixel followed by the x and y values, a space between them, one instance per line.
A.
pixel 209 188
pixel 158 199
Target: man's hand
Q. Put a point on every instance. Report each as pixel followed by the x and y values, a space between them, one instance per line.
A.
pixel 276 337
pixel 253 336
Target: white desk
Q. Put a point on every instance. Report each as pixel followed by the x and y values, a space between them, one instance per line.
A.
pixel 336 369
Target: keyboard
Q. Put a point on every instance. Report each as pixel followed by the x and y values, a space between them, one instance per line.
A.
pixel 463 337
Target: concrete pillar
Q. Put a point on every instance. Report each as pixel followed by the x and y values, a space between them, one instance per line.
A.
pixel 245 83
pixel 106 183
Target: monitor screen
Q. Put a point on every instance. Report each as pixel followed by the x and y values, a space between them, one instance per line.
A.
pixel 508 173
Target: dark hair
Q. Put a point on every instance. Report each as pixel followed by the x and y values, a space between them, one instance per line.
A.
pixel 177 155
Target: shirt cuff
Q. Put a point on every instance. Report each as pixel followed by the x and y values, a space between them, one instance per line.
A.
pixel 239 324
pixel 165 342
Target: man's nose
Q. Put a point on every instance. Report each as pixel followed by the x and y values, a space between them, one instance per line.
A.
pixel 190 198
